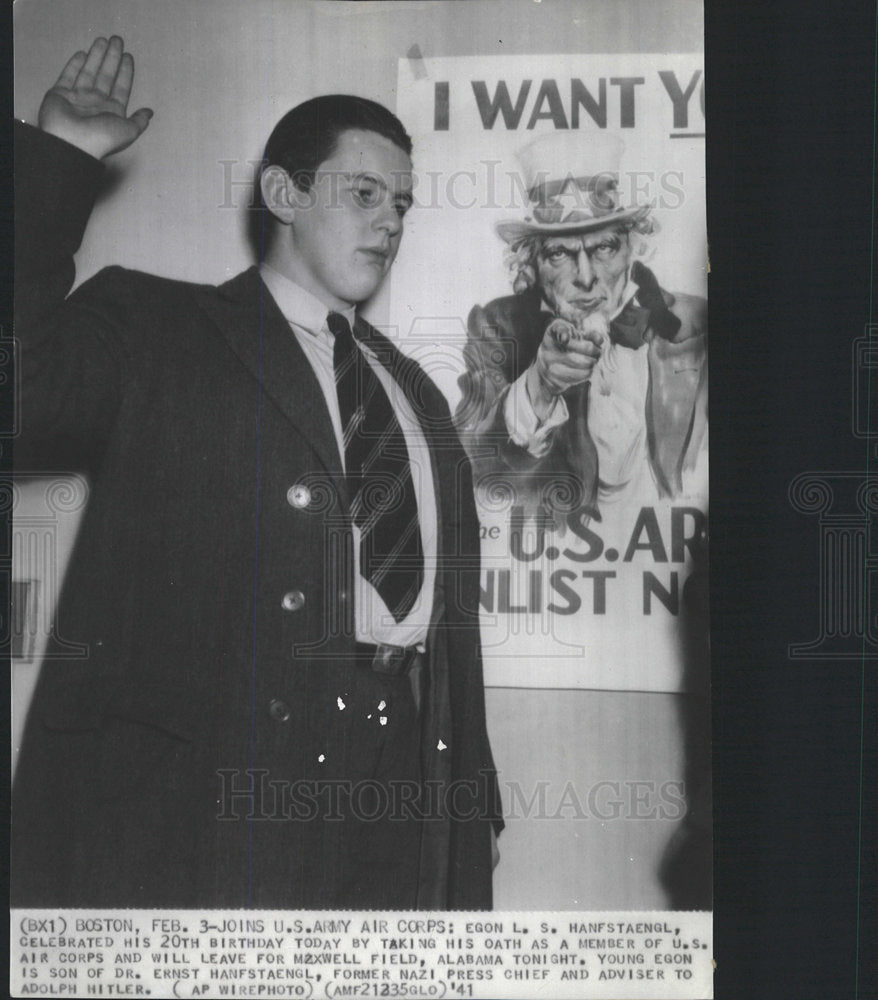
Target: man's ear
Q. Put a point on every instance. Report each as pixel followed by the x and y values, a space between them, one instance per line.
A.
pixel 278 193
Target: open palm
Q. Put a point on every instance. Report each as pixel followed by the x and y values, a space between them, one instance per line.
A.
pixel 89 103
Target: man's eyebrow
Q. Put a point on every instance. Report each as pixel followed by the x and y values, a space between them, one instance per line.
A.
pixel 611 238
pixel 366 175
pixel 559 244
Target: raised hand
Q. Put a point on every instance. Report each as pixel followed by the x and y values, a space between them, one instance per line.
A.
pixel 88 105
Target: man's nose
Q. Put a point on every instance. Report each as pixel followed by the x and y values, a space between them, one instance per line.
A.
pixel 387 219
pixel 585 275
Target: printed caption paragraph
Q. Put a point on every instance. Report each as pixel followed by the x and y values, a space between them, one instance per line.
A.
pixel 184 953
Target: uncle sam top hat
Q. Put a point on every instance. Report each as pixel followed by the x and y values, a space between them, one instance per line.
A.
pixel 572 185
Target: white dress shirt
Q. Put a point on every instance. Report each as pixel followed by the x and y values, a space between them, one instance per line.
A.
pixel 307 318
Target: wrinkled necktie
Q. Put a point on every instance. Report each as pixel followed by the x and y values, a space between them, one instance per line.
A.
pixel 383 501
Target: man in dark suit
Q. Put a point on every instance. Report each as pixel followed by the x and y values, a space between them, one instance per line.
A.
pixel 587 387
pixel 276 577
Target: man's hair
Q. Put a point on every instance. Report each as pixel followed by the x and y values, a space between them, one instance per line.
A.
pixel 521 256
pixel 309 134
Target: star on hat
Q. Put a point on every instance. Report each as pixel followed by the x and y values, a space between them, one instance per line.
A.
pixel 572 186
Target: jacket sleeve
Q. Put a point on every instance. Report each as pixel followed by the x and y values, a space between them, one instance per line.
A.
pixel 70 367
pixel 491 357
pixel 501 341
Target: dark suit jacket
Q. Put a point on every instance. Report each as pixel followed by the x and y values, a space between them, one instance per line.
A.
pixel 193 411
pixel 503 338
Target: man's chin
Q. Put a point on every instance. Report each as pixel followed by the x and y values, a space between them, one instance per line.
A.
pixel 362 291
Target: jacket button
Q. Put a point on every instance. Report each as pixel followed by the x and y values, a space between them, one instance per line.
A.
pixel 293 600
pixel 298 495
pixel 279 710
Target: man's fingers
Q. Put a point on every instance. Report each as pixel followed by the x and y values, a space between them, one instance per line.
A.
pixel 591 337
pixel 572 364
pixel 577 349
pixel 588 338
pixel 585 345
pixel 141 118
pixel 577 357
pixel 571 376
pixel 89 71
pixel 122 87
pixel 569 369
pixel 106 75
pixel 71 70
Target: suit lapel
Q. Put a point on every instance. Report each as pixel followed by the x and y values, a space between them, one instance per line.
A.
pixel 257 332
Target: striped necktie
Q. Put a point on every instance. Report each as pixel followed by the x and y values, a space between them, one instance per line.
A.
pixel 383 501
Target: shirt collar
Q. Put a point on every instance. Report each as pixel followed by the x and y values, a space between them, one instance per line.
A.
pixel 298 305
pixel 628 294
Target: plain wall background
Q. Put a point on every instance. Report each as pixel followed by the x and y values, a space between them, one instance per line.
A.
pixel 218 75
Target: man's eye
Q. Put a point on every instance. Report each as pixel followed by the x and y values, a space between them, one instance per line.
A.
pixel 402 207
pixel 556 255
pixel 367 195
pixel 605 250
